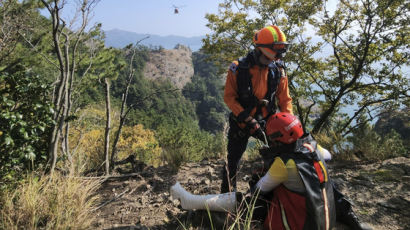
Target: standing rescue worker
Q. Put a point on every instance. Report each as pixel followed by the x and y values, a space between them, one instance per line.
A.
pixel 256 86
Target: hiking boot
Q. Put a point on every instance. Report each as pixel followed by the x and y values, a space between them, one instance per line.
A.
pixel 354 223
pixel 345 213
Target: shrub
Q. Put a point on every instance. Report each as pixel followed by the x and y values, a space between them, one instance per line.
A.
pixel 364 143
pixel 141 143
pixel 252 150
pixel 87 149
pixel 25 120
pixel 49 202
pixel 372 146
pixel 87 139
pixel 185 142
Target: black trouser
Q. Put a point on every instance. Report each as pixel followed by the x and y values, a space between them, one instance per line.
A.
pixel 237 142
pixel 342 204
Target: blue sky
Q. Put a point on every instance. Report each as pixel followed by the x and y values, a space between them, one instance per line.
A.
pixel 155 16
pixel 152 16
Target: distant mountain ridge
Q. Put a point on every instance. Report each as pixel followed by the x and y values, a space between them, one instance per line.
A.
pixel 120 38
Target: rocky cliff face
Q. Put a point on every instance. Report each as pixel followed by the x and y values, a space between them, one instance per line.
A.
pixel 175 65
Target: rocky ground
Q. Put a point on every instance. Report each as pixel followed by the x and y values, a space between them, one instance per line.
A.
pixel 139 198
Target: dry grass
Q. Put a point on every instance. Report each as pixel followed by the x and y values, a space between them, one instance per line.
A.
pixel 241 219
pixel 51 202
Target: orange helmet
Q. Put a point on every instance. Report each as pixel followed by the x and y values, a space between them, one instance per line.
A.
pixel 284 127
pixel 271 41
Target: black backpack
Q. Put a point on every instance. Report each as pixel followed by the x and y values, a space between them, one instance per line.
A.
pixel 246 98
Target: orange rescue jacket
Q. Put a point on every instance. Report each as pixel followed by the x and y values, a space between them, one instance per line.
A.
pixel 260 88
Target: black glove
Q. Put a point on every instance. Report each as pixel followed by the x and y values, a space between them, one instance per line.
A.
pixel 253 126
pixel 255 129
pixel 260 135
pixel 255 177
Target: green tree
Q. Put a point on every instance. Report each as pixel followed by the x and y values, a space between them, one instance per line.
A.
pixel 107 71
pixel 24 39
pixel 206 92
pixel 25 121
pixel 367 41
pixel 26 110
pixel 68 45
pixel 155 102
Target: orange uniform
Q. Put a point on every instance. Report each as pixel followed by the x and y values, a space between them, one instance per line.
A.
pixel 260 88
pixel 255 87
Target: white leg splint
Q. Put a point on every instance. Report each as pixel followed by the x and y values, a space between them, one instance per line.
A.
pixel 214 202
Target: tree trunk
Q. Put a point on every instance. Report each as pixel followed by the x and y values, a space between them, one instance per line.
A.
pixel 107 126
pixel 323 118
pixel 62 93
pixel 67 142
pixel 123 116
pixel 123 113
pixel 53 148
pixel 58 97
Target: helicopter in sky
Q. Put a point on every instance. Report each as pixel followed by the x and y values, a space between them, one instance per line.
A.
pixel 176 8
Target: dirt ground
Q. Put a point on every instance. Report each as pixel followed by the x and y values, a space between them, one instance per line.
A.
pixel 380 193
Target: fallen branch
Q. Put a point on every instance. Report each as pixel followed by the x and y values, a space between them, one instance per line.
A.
pixel 112 176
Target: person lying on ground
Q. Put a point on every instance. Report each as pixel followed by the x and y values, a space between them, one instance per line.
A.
pixel 296 192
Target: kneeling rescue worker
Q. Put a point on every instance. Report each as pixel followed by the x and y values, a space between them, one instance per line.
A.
pixel 296 192
pixel 256 86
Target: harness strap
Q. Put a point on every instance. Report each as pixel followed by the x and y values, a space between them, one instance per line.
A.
pixel 326 206
pixel 319 171
pixel 318 164
pixel 247 99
